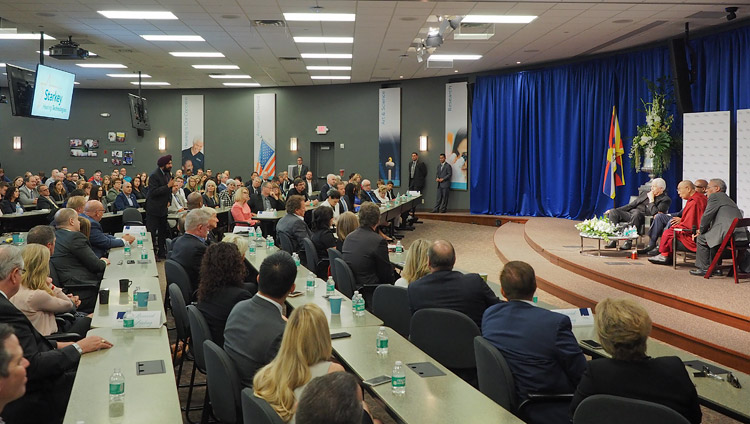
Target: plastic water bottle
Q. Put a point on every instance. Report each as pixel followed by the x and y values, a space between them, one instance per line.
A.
pixel 127 250
pixel 116 393
pixel 398 379
pixel 19 209
pixel 355 299
pixel 139 241
pixel 269 242
pixel 128 320
pixel 135 301
pixel 258 233
pixel 310 281
pixel 330 287
pixel 399 247
pixel 251 248
pixel 295 256
pixel 381 342
pixel 359 305
pixel 144 253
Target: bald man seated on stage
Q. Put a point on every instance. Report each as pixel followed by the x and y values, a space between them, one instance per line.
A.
pixel 650 203
pixel 691 219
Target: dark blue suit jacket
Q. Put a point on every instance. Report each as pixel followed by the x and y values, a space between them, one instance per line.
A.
pixel 121 202
pixel 100 241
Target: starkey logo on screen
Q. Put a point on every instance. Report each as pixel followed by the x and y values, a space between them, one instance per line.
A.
pixel 52 93
pixel 53 97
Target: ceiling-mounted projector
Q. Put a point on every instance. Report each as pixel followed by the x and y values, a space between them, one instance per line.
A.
pixel 68 50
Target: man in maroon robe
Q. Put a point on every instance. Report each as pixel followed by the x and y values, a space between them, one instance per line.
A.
pixel 691 218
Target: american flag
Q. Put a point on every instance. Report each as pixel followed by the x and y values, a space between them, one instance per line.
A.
pixel 266 165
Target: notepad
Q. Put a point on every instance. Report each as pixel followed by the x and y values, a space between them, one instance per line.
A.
pixel 579 317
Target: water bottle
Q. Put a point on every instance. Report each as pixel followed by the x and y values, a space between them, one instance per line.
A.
pixel 251 248
pixel 144 254
pixel 269 242
pixel 360 306
pixel 398 379
pixel 19 208
pixel 355 299
pixel 128 320
pixel 330 287
pixel 258 233
pixel 116 393
pixel 135 297
pixel 127 250
pixel 381 342
pixel 310 281
pixel 295 256
pixel 399 247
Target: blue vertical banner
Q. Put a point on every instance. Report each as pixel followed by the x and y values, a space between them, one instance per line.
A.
pixel 264 137
pixel 192 133
pixel 456 133
pixel 389 134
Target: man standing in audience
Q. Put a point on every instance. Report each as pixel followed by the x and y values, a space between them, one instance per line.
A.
pixel 28 193
pixel 417 173
pixel 690 218
pixel 188 249
pixel 300 170
pixel 12 367
pixel 665 220
pixel 444 174
pixel 367 194
pixel 45 201
pixel 160 185
pixel 652 202
pixel 99 240
pixel 310 184
pixel 539 345
pixel 717 218
pixel 226 197
pixel 366 252
pixel 445 288
pixel 126 199
pixel 298 189
pixel 252 335
pixel 330 183
pixel 293 224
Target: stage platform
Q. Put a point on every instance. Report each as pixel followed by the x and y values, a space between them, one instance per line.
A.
pixel 708 317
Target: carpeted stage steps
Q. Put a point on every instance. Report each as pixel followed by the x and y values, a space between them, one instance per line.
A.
pixel 722 343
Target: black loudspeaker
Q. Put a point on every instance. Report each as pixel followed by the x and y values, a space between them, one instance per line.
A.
pixel 681 76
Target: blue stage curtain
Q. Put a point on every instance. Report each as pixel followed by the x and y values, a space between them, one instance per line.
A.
pixel 539 138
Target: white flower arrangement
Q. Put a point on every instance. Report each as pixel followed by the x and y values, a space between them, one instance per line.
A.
pixel 597 227
pixel 653 139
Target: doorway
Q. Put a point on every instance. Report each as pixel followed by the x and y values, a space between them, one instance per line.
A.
pixel 322 161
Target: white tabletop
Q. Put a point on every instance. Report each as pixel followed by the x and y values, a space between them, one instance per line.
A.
pixel 105 315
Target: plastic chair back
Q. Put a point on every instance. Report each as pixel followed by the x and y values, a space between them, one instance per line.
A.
pixel 176 274
pixel 344 277
pixel 495 378
pixel 199 332
pixel 619 410
pixel 446 335
pixel 179 312
pixel 285 243
pixel 131 216
pixel 223 384
pixel 256 410
pixel 311 255
pixel 391 304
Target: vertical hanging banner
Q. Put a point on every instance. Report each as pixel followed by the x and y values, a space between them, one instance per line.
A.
pixel 743 160
pixel 264 148
pixel 456 133
pixel 389 134
pixel 192 132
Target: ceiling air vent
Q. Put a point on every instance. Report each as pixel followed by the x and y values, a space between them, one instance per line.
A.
pixel 269 23
pixel 288 59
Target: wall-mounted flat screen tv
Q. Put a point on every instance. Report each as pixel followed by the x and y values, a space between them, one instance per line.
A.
pixel 139 112
pixel 53 93
pixel 21 89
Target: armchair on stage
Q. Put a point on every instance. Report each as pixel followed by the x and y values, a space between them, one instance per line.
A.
pixel 735 245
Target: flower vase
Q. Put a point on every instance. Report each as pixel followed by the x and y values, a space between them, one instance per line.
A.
pixel 648 167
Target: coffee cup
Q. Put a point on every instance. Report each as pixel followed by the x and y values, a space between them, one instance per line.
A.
pixel 103 296
pixel 125 285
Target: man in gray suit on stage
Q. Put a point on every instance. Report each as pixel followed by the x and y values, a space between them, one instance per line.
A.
pixel 252 336
pixel 718 216
pixel 444 174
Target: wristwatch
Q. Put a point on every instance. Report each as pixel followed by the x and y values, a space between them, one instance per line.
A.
pixel 78 348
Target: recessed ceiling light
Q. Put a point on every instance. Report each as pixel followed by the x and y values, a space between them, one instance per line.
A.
pixel 132 14
pixel 128 75
pixel 2 65
pixel 241 84
pixel 400 76
pixel 326 55
pixel 447 57
pixel 497 19
pixel 216 67
pixel 172 37
pixel 518 63
pixel 197 54
pixel 18 36
pixel 320 17
pixel 150 83
pixel 455 70
pixel 334 40
pixel 329 68
pixel 230 76
pixel 101 65
pixel 331 77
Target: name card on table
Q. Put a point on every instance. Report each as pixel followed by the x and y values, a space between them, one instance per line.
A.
pixel 238 229
pixel 413 193
pixel 143 319
pixel 579 317
pixel 267 214
pixel 134 230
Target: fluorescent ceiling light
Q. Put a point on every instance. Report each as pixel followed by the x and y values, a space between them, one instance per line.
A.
pixel 18 36
pixel 326 56
pixel 447 57
pixel 197 54
pixel 242 84
pixel 132 14
pixel 320 17
pixel 216 67
pixel 46 53
pixel 76 82
pixel 335 40
pixel 230 76
pixel 329 68
pixel 2 65
pixel 497 19
pixel 128 75
pixel 331 77
pixel 150 83
pixel 172 37
pixel 101 65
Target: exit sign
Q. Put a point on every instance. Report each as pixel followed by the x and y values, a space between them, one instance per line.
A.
pixel 321 129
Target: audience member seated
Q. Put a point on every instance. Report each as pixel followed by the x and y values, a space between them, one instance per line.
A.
pixel 139 190
pixel 539 345
pixel 333 201
pixel 52 365
pixel 254 328
pixel 623 327
pixel 690 218
pixel 8 205
pixel 221 286
pixel 327 187
pixel 367 194
pixel 188 249
pixel 44 235
pixel 351 197
pixel 649 203
pixel 250 277
pixel 347 223
pixel 77 203
pixel 226 196
pixel 445 288
pixel 126 199
pixel 45 201
pixel 12 367
pixel 298 189
pixel 417 263
pixel 85 227
pixel 266 200
pixel 293 223
pixel 74 260
pixel 323 236
pixel 241 212
pixel 665 220
pixel 28 191
pixel 58 191
pixel 334 398
pixel 305 353
pixel 114 191
pixel 98 193
pixel 211 196
pixel 366 251
pixel 100 241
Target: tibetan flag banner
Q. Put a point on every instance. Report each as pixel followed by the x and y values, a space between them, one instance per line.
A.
pixel 613 173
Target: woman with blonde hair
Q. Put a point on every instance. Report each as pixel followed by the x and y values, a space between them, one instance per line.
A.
pixel 241 212
pixel 40 300
pixel 211 196
pixel 623 327
pixel 417 264
pixel 347 223
pixel 85 226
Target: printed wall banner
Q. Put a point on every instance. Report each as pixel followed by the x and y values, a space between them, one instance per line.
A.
pixel 192 132
pixel 389 134
pixel 705 146
pixel 743 160
pixel 456 133
pixel 264 150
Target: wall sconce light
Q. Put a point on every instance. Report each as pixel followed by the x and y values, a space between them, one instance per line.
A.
pixel 293 144
pixel 17 142
pixel 162 143
pixel 422 143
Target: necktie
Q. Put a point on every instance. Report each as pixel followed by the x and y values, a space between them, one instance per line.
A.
pixel 266 203
pixel 299 170
pixel 413 166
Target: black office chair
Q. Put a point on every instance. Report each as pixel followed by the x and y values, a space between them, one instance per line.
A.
pixel 333 254
pixel 391 304
pixel 199 332
pixel 232 222
pixel 72 287
pixel 175 273
pixel 177 301
pixel 131 216
pixel 285 242
pixel 256 410
pixel 431 328
pixel 619 410
pixel 344 277
pixel 312 262
pixel 168 244
pixel 223 384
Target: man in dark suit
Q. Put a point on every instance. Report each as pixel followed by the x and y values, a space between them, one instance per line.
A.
pixel 538 344
pixel 74 260
pixel 649 203
pixel 46 202
pixel 159 194
pixel 443 178
pixel 366 252
pixel 445 288
pixel 330 183
pixel 293 223
pixel 188 249
pixel 52 365
pixel 99 240
pixel 300 170
pixel 417 173
pixel 367 194
pixel 718 216
pixel 265 200
pixel 252 335
pixel 299 189
pixel 254 185
pixel 126 198
pixel 12 366
pixel 310 184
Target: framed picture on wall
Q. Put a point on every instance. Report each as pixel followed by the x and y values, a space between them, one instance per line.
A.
pixel 127 157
